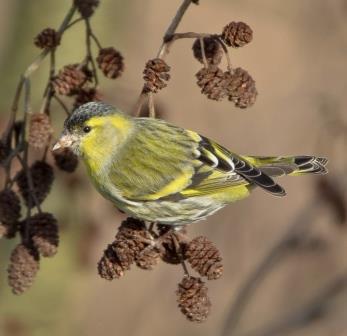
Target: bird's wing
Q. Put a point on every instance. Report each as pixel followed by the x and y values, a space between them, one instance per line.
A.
pixel 231 170
pixel 163 161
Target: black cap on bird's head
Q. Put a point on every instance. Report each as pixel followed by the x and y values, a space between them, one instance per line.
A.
pixel 87 111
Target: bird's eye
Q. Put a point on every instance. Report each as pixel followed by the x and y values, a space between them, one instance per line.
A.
pixel 87 129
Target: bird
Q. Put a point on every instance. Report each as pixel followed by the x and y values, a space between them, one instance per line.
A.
pixel 161 173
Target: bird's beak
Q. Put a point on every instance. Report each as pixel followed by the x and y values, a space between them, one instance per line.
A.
pixel 64 141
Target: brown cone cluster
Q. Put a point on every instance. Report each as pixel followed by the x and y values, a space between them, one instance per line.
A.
pixel 240 87
pixel 212 83
pixel 237 34
pixel 132 238
pixel 86 7
pixel 38 231
pixel 237 85
pixel 110 62
pixel 40 130
pixel 42 178
pixel 9 207
pixel 66 160
pixel 23 267
pixel 70 78
pixel 47 39
pixel 155 75
pixel 86 95
pixel 192 299
pixel 212 48
pixel 204 258
pixel 134 243
pixel 44 233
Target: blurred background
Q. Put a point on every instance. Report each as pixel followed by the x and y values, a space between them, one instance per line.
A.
pixel 285 264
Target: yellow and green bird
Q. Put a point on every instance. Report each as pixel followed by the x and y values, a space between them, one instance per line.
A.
pixel 162 173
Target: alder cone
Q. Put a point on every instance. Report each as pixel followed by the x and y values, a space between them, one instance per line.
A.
pixel 193 300
pixel 109 266
pixel 42 178
pixel 212 82
pixel 110 62
pixel 44 233
pixel 66 160
pixel 156 75
pixel 47 39
pixel 86 7
pixel 23 267
pixel 237 34
pixel 240 88
pixel 69 79
pixel 204 258
pixel 40 130
pixel 9 206
pixel 213 51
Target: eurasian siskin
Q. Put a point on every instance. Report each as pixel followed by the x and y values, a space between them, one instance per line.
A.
pixel 162 173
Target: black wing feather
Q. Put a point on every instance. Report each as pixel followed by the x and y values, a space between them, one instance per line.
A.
pixel 255 175
pixel 237 165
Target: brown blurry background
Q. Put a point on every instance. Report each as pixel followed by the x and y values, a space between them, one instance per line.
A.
pixel 298 59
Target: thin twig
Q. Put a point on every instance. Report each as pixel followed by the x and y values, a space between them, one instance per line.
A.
pixel 8 162
pixel 313 309
pixel 226 53
pixel 202 47
pixel 46 149
pixel 89 57
pixel 49 91
pixel 139 103
pixel 96 40
pixel 27 106
pixel 14 108
pixel 151 107
pixel 163 48
pixel 24 163
pixel 24 160
pixel 189 35
pixel 32 68
pixel 173 26
pixel 179 252
pixel 72 23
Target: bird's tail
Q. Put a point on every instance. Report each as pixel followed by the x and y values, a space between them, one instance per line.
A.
pixel 289 165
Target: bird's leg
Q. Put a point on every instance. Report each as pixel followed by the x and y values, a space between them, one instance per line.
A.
pixel 176 236
pixel 151 231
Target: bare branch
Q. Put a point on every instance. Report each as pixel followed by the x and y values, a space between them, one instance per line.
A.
pixel 307 313
pixel 276 254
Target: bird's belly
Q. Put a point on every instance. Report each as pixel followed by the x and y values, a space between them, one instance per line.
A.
pixel 170 212
pixel 174 213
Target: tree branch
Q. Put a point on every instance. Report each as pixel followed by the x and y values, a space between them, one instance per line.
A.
pixel 276 254
pixel 309 312
pixel 164 48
